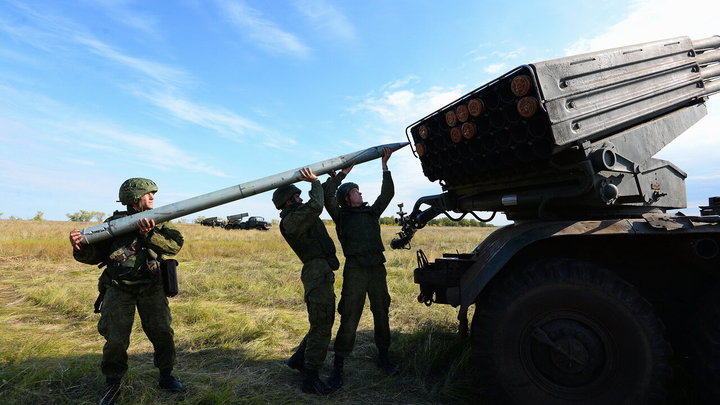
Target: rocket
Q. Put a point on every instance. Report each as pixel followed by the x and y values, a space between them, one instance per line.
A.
pixel 168 212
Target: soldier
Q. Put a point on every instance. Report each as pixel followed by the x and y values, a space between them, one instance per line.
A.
pixel 303 230
pixel 358 228
pixel 132 279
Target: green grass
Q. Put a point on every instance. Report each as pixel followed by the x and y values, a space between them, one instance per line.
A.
pixel 238 317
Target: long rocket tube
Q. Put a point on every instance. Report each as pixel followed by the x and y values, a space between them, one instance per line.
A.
pixel 165 213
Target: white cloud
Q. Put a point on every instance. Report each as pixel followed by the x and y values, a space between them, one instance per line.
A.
pixel 164 75
pixel 226 123
pixel 260 31
pixel 326 18
pixel 514 54
pixel 401 107
pixel 155 152
pixel 651 20
pixel 159 83
pixel 50 37
pixel 402 82
pixel 49 125
pixel 495 68
pixel 120 10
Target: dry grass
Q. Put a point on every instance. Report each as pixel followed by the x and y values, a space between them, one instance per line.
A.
pixel 238 317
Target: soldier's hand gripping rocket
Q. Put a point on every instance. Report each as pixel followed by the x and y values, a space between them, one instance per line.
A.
pixel 76 239
pixel 145 226
pixel 386 156
pixel 306 174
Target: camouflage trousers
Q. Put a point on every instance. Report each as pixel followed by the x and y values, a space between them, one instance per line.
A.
pixel 116 321
pixel 318 280
pixel 357 283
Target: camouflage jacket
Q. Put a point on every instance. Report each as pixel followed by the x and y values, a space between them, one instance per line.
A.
pixel 305 232
pixel 358 228
pixel 126 255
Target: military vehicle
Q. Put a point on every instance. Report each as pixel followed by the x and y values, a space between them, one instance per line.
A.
pixel 254 222
pixel 213 222
pixel 585 297
pixel 233 221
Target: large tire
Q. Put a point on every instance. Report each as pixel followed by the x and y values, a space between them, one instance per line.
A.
pixel 705 348
pixel 567 332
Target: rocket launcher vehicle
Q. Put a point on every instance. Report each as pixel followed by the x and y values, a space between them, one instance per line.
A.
pixel 165 213
pixel 568 138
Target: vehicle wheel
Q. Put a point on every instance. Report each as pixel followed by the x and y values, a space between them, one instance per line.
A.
pixel 705 350
pixel 566 332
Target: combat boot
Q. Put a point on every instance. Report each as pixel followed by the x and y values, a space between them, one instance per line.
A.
pixel 335 382
pixel 111 391
pixel 385 364
pixel 297 360
pixel 169 382
pixel 312 384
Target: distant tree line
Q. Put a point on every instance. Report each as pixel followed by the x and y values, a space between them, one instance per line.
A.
pixel 463 222
pixel 86 216
pixel 38 216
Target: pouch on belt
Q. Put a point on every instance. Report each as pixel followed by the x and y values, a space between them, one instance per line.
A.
pixel 168 269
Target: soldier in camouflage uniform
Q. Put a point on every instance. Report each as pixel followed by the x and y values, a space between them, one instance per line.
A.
pixel 358 228
pixel 304 231
pixel 132 279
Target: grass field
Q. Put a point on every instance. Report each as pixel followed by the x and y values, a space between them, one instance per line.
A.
pixel 238 317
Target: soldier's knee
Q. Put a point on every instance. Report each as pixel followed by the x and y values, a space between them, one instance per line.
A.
pixel 321 314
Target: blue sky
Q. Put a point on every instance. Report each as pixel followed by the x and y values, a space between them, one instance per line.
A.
pixel 203 95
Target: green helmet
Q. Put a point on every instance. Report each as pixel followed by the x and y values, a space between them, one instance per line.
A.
pixel 284 193
pixel 343 191
pixel 132 189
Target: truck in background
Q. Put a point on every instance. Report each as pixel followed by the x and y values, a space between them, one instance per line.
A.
pixel 213 222
pixel 254 222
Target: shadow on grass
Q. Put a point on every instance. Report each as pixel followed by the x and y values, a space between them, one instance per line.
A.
pixel 436 368
pixel 431 368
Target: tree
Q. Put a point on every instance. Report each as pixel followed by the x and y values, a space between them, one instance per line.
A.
pixel 388 221
pixel 199 219
pixel 86 216
pixel 38 216
pixel 463 222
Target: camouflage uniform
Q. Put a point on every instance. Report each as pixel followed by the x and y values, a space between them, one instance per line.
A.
pixel 128 282
pixel 305 232
pixel 358 229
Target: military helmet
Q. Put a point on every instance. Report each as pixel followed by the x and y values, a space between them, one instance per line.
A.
pixel 284 193
pixel 132 189
pixel 343 192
